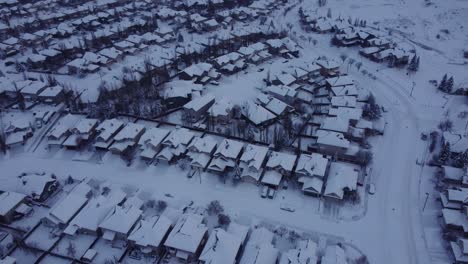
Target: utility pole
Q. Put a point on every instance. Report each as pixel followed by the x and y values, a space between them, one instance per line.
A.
pixel 412 89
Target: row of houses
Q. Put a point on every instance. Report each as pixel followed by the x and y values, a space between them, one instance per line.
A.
pixel 32 90
pixel 454 201
pixel 375 45
pixel 114 216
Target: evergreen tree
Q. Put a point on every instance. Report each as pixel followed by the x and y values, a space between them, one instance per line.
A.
pixel 443 83
pixel 414 64
pixel 449 86
pixel 444 153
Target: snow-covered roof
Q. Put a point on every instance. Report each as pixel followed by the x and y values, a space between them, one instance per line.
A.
pixel 229 149
pixel 257 114
pixel 85 125
pixel 121 219
pixel 337 124
pixel 129 132
pixel 341 176
pixel 221 247
pixel 331 138
pixel 187 234
pixel 153 136
pixel 304 253
pixel 204 144
pixel 346 112
pixel 64 210
pixel 179 136
pixel 281 160
pixel 95 211
pixel 33 184
pixel 344 101
pixel 51 91
pixel 254 156
pixel 312 165
pixel 261 254
pixel 150 232
pixel 34 88
pixel 277 106
pixel 221 107
pixel 9 200
pixel 108 127
pixel 198 103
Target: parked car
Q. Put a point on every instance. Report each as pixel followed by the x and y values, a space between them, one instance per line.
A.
pixel 264 192
pixel 271 193
pixel 371 188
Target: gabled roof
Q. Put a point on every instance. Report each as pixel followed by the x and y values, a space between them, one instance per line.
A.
pixel 221 247
pixel 312 165
pixel 187 234
pixel 9 200
pixel 254 156
pixel 229 149
pixel 281 160
pixel 150 232
pixel 341 176
pixel 121 219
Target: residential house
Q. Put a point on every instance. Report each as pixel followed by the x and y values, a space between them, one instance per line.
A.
pixel 304 253
pixel 342 180
pixel 31 91
pixel 175 145
pixel 37 187
pixel 107 130
pixel 257 114
pixel 151 142
pixel 311 171
pixel 220 111
pixel 63 211
pixel 127 138
pixel 198 107
pixel 221 247
pixel 94 212
pixel 201 150
pixel 81 133
pixel 187 238
pixel 149 234
pixel 52 94
pixel 252 163
pixel 9 202
pixel 226 156
pixel 334 255
pixel 119 221
pixel 259 248
pixel 460 250
pixel 279 165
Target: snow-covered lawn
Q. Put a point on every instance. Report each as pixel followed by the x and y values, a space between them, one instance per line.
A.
pixel 80 243
pixel 42 238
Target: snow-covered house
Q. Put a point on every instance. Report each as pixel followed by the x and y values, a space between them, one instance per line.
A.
pixel 454 198
pixel 221 247
pixel 52 94
pixel 257 114
pixel 17 131
pixel 187 238
pixel 220 111
pixel 32 90
pixel 9 202
pixel 63 211
pixel 149 234
pixel 81 133
pixel 279 164
pixel 127 138
pixel 38 187
pixel 452 175
pixel 342 179
pixel 61 130
pixel 94 212
pixel 282 92
pixel 201 150
pixel 311 172
pixel 354 114
pixel 259 248
pixel 107 130
pixel 460 250
pixel 329 68
pixel 151 142
pixel 198 107
pixel 278 107
pixel 331 142
pixel 119 221
pixel 252 163
pixel 304 253
pixel 335 124
pixel 226 156
pixel 175 145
